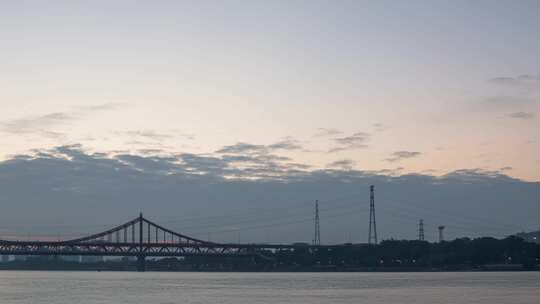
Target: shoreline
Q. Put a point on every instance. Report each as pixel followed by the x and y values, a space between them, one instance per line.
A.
pixel 123 268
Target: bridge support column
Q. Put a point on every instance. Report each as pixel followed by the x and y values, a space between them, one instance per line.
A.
pixel 141 263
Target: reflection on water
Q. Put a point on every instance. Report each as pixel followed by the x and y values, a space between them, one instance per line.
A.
pixel 253 288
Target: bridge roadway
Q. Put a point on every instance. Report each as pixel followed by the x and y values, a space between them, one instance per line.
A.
pixel 142 238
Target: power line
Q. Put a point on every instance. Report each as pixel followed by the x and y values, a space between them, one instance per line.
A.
pixel 245 211
pixel 403 202
pixel 257 219
pixel 248 219
pixel 336 215
pixel 460 222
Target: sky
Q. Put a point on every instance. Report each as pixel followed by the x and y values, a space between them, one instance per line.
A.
pixel 269 91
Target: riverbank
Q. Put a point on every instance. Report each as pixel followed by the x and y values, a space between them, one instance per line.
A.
pixel 225 268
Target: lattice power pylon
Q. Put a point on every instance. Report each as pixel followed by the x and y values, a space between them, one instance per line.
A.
pixel 317 238
pixel 372 236
pixel 421 236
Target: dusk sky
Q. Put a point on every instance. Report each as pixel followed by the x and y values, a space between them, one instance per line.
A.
pixel 387 87
pixel 413 85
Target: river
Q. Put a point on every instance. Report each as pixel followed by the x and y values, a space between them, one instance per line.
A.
pixel 31 287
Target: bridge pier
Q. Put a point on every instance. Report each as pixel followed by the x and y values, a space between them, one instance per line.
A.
pixel 141 263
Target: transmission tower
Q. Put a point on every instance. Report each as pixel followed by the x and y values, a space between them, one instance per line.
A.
pixel 317 238
pixel 421 230
pixel 372 237
pixel 441 235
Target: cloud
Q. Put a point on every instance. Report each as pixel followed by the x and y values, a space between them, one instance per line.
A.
pixel 153 164
pixel 259 166
pixel 524 89
pixel 475 175
pixel 379 127
pixel 327 132
pixel 287 144
pixel 400 155
pixel 103 107
pixel 44 125
pixel 344 164
pixel 203 165
pixel 519 81
pixel 355 141
pixel 76 187
pixel 508 81
pixel 148 151
pixel 258 159
pixel 390 172
pixel 508 100
pixel 37 124
pixel 247 148
pixel 242 147
pixel 521 115
pixel 149 134
pixel 242 161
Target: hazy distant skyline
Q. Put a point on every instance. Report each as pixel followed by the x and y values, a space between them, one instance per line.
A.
pixel 412 86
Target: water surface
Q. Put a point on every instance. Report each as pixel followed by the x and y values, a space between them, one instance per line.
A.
pixel 28 287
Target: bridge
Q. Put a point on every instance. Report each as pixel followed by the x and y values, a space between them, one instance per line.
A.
pixel 143 238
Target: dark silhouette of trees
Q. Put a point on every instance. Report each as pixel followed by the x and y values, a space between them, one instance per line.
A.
pixel 463 253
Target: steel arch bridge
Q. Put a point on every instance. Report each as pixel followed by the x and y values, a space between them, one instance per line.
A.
pixel 143 238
